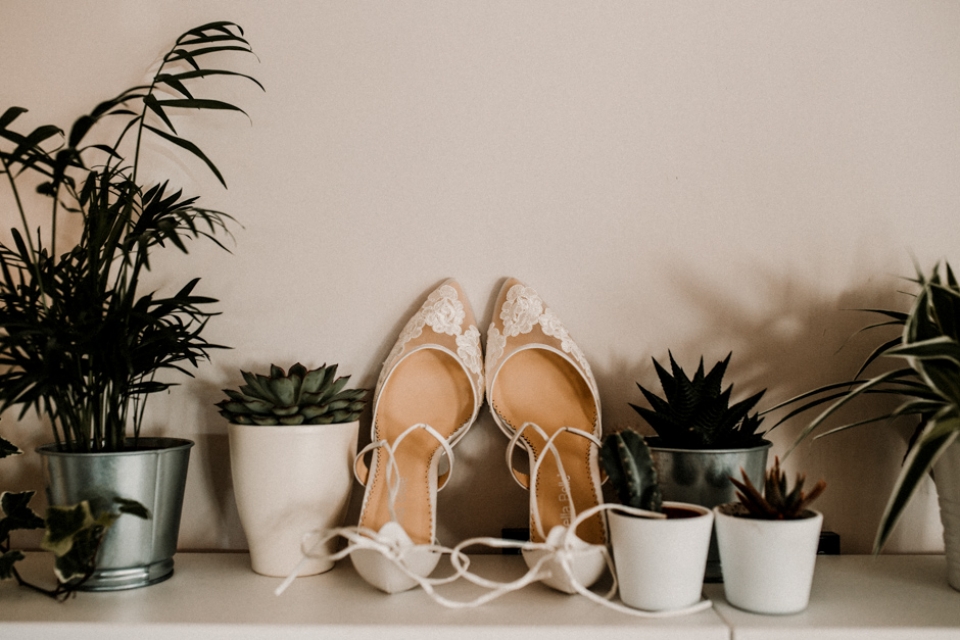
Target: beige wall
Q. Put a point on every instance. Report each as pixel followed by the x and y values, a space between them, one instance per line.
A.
pixel 695 176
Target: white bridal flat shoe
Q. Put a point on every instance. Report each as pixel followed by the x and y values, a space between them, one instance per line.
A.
pixel 543 396
pixel 429 393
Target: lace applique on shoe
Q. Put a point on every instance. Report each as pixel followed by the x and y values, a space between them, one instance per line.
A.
pixel 521 310
pixel 496 342
pixel 468 348
pixel 444 313
pixel 552 326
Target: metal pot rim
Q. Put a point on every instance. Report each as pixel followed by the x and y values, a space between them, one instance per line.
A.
pixel 157 444
pixel 652 440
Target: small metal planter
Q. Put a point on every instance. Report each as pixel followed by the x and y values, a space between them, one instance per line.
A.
pixel 702 476
pixel 135 552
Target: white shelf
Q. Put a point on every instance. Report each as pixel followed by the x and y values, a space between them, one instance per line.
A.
pixel 218 596
pixel 877 597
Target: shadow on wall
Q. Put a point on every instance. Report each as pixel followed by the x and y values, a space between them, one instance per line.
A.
pixel 790 337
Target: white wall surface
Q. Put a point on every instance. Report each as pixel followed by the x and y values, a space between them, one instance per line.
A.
pixel 703 177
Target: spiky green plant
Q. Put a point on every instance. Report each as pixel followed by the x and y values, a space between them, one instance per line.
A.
pixel 777 501
pixel 80 341
pixel 696 414
pixel 929 387
pixel 629 466
pixel 302 396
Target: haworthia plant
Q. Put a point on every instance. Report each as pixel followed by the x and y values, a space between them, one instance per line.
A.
pixel 695 413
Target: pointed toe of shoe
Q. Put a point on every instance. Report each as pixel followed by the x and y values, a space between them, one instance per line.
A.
pixel 585 562
pixel 388 563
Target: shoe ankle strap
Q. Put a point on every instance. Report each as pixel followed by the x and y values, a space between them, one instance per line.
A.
pixel 362 472
pixel 523 479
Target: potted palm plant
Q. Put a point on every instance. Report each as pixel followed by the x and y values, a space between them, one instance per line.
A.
pixel 929 390
pixel 659 547
pixel 81 342
pixel 293 438
pixel 702 439
pixel 768 543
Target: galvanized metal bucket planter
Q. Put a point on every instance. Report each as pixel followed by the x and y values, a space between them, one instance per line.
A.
pixel 702 476
pixel 135 552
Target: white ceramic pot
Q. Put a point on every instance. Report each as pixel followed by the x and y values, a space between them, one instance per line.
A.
pixel 289 481
pixel 768 564
pixel 702 476
pixel 660 563
pixel 946 475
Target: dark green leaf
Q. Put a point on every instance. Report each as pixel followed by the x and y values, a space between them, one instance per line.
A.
pixel 7 448
pixel 199 103
pixel 192 148
pixel 63 523
pixel 18 515
pixel 7 560
pixel 132 507
pixel 939 434
pixel 11 114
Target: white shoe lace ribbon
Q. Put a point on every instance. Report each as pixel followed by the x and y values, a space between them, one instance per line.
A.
pixel 562 544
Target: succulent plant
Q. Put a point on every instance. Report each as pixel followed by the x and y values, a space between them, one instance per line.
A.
pixel 696 414
pixel 303 396
pixel 629 466
pixel 776 502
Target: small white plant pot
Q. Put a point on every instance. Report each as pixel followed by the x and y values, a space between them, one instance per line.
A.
pixel 660 563
pixel 768 564
pixel 289 481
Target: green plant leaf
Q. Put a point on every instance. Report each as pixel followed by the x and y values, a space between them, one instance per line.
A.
pixel 131 507
pixel 63 525
pixel 11 114
pixel 7 560
pixel 17 514
pixel 939 433
pixel 7 448
pixel 192 148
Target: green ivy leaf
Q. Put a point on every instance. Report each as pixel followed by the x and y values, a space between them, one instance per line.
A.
pixel 7 561
pixel 18 514
pixel 7 448
pixel 132 507
pixel 63 526
pixel 81 557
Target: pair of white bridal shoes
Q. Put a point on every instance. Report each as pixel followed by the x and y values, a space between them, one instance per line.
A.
pixel 543 396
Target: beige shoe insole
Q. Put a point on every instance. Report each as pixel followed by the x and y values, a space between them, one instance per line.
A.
pixel 426 387
pixel 539 386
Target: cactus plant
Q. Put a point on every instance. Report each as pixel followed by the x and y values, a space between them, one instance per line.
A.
pixel 696 414
pixel 776 502
pixel 301 396
pixel 629 465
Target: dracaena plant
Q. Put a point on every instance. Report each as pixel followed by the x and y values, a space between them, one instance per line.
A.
pixel 80 341
pixel 928 387
pixel 72 533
